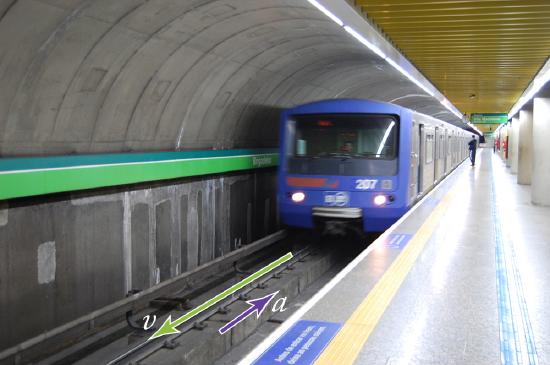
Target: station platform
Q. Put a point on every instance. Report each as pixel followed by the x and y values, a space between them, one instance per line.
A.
pixel 461 279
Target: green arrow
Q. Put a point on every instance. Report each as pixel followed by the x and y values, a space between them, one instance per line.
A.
pixel 169 327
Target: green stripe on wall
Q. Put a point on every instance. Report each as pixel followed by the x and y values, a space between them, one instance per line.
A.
pixel 22 183
pixel 29 163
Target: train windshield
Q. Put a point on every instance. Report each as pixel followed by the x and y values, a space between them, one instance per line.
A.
pixel 344 144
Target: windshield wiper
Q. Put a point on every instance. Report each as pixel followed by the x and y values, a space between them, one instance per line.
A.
pixel 308 157
pixel 342 156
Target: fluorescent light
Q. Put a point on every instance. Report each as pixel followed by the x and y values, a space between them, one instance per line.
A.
pixel 409 76
pixel 450 107
pixel 369 45
pixel 386 135
pixel 380 53
pixel 365 42
pixel 396 66
pixel 423 87
pixel 327 12
pixel 537 84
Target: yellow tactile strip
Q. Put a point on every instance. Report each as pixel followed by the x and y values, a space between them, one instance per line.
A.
pixel 347 344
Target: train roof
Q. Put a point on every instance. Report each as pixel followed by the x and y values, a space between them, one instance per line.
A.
pixel 347 105
pixel 360 106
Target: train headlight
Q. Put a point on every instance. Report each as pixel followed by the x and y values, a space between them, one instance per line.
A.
pixel 298 197
pixel 380 200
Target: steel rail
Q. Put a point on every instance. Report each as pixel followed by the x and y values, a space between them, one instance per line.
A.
pixel 148 347
pixel 56 340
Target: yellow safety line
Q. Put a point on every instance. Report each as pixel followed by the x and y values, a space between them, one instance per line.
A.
pixel 349 341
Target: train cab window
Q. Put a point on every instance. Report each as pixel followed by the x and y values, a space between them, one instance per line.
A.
pixel 370 137
pixel 344 144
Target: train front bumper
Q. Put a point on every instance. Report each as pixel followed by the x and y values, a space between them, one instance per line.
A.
pixel 373 219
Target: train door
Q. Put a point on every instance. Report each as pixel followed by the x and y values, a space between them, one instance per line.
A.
pixel 455 149
pixel 428 173
pixel 444 151
pixel 421 152
pixel 437 158
pixel 448 152
pixel 414 173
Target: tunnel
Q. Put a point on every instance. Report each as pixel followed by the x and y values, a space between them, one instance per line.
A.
pixel 103 77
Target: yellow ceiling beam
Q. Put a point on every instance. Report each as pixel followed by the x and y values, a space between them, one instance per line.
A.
pixel 452 21
pixel 473 24
pixel 461 17
pixel 480 41
pixel 464 47
pixel 494 7
pixel 445 28
pixel 449 4
pixel 495 36
pixel 469 32
pixel 489 48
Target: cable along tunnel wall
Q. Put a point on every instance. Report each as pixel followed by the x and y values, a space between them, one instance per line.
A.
pixel 65 255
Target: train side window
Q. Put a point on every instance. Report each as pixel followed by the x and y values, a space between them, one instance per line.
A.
pixel 429 148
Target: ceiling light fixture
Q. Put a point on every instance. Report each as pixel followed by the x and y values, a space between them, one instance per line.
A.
pixel 381 54
pixel 364 41
pixel 536 85
pixel 327 12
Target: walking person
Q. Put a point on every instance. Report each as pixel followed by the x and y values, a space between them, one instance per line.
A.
pixel 472 146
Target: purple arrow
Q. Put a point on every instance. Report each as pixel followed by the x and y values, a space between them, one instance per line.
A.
pixel 257 305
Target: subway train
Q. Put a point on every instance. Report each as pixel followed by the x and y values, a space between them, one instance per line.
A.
pixel 360 163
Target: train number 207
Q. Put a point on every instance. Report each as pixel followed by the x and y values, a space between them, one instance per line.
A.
pixel 365 184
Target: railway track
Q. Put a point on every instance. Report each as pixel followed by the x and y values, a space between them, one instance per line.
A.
pixel 115 334
pixel 115 319
pixel 199 341
pixel 146 348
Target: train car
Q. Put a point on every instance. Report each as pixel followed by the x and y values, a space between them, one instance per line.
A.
pixel 360 162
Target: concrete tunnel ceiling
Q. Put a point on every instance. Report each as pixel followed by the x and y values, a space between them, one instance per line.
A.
pixel 93 76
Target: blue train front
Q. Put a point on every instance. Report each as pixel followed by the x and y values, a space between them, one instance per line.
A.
pixel 344 161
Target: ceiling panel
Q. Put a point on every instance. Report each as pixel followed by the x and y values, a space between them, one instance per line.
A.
pixel 480 54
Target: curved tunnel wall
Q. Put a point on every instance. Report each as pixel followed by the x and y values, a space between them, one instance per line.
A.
pixel 133 75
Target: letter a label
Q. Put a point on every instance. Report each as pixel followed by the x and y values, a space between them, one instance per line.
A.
pixel 279 305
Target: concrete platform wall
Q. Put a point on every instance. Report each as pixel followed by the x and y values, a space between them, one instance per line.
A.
pixel 63 257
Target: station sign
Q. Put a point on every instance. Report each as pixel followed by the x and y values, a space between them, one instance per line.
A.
pixel 487 123
pixel 491 118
